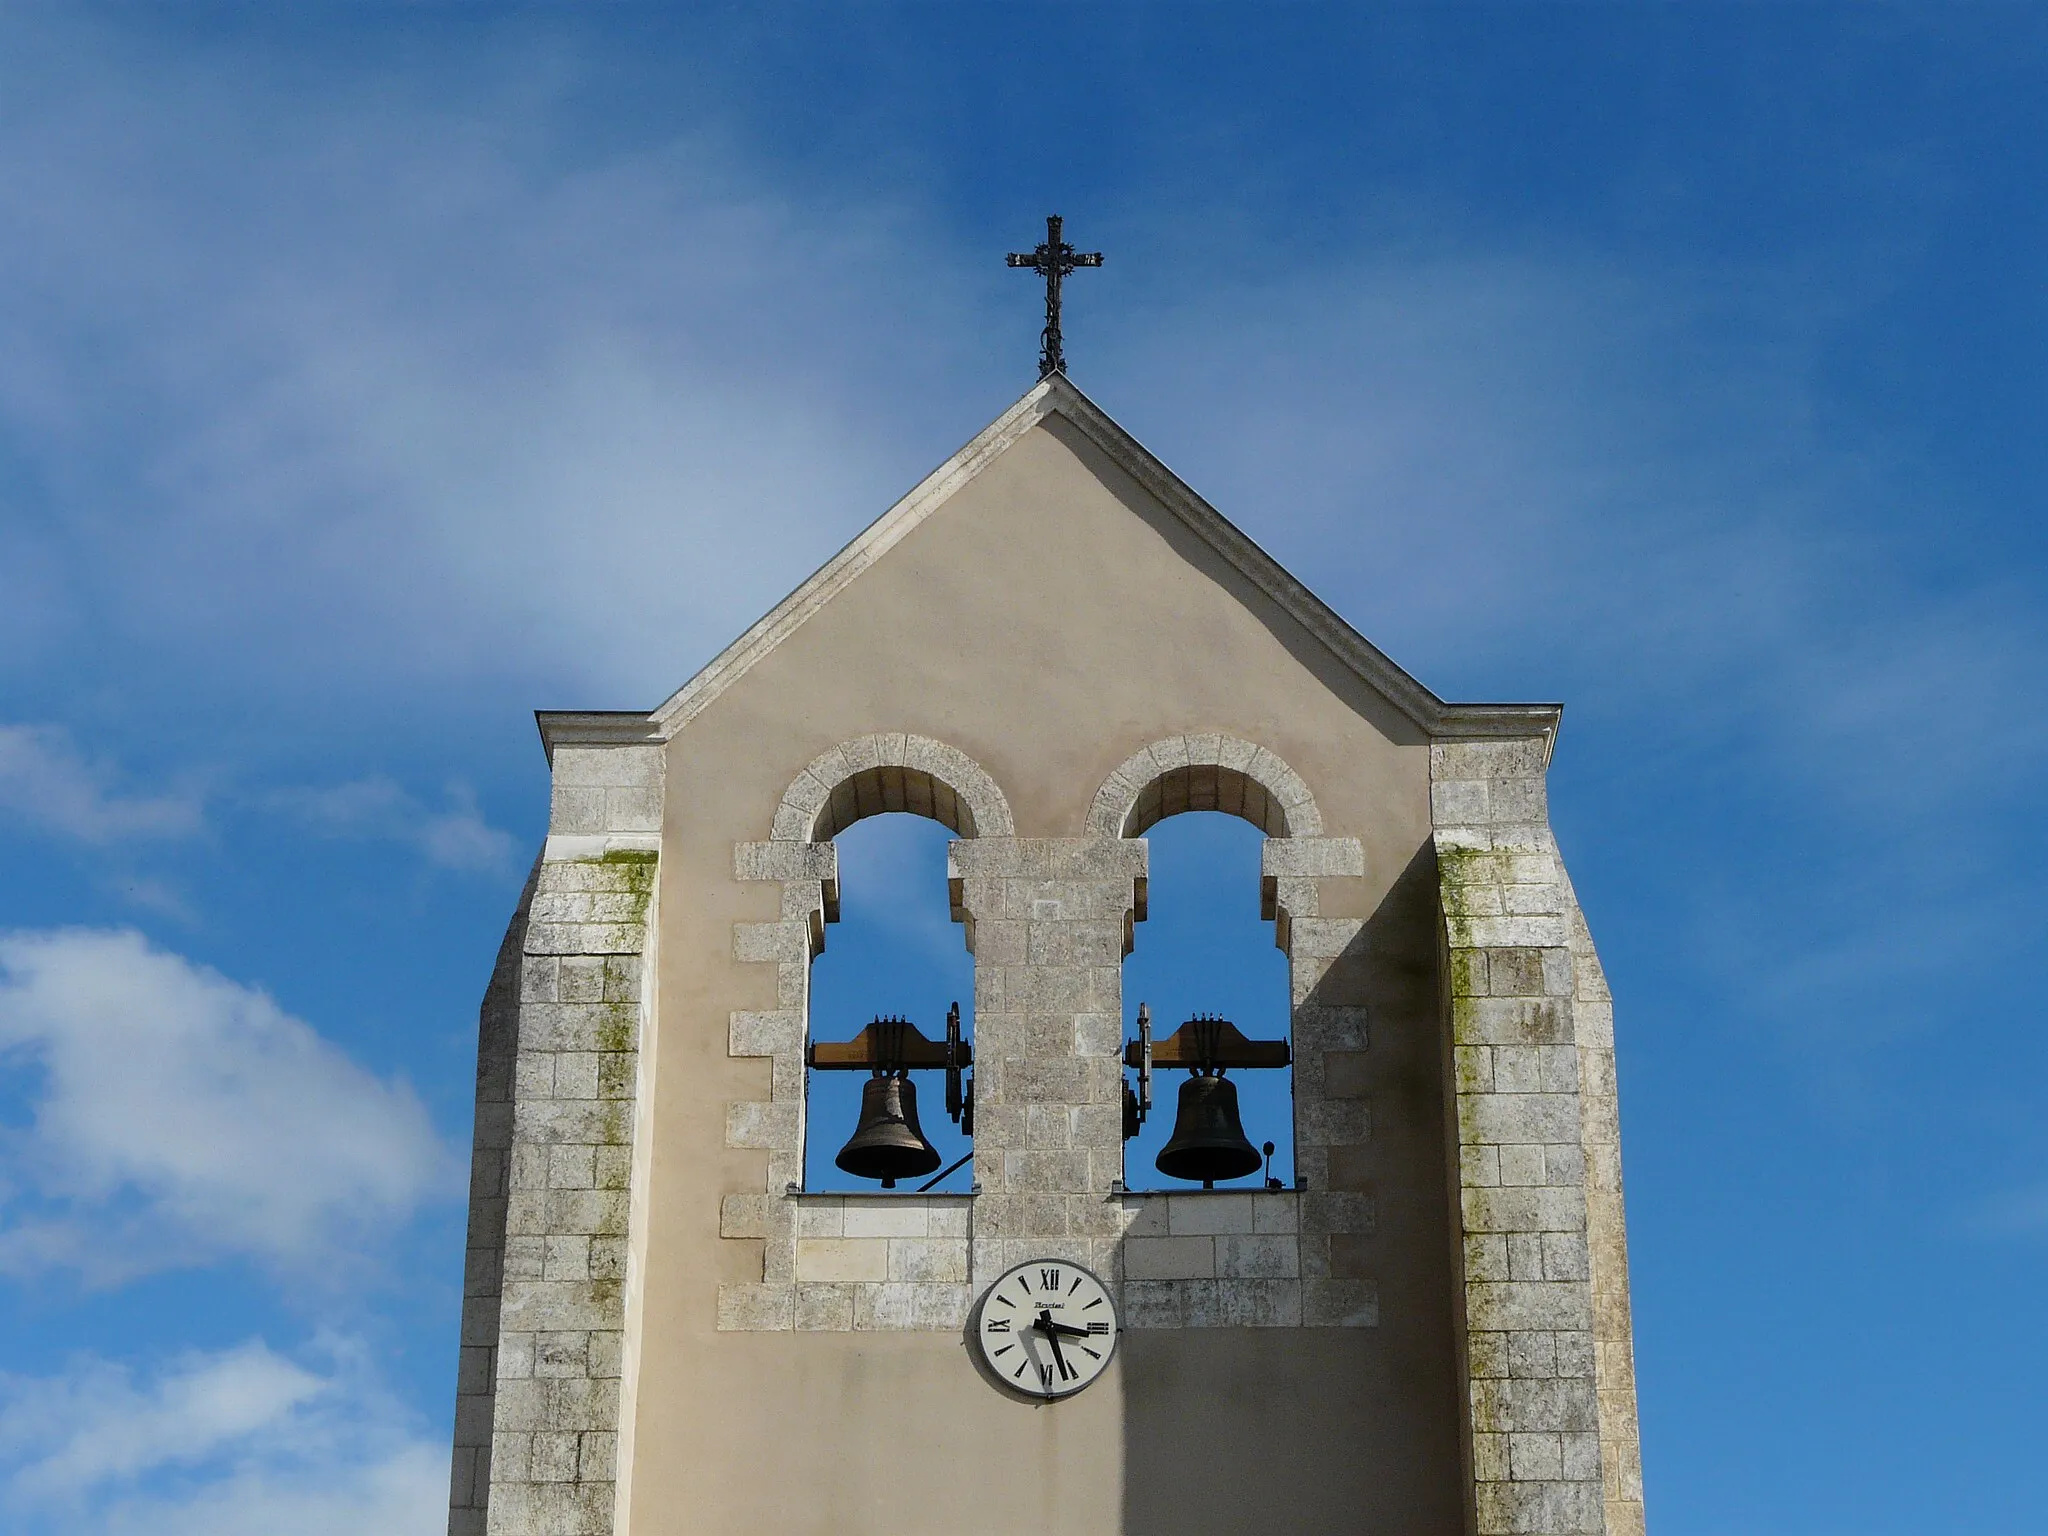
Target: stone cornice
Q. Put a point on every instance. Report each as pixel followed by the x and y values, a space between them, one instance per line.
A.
pixel 1057 396
pixel 880 536
pixel 595 728
pixel 1372 664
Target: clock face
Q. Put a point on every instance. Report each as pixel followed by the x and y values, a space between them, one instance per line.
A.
pixel 1047 1327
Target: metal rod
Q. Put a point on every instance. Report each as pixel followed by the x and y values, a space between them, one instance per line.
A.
pixel 940 1175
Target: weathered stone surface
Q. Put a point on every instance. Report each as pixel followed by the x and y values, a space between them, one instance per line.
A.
pixel 1544 1270
pixel 537 1414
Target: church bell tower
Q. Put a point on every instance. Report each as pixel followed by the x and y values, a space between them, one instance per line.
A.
pixel 1048 646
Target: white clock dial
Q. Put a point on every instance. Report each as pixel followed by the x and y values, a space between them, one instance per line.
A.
pixel 1047 1327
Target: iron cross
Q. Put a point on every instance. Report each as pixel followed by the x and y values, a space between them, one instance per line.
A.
pixel 1055 258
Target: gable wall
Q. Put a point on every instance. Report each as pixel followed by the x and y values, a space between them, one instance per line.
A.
pixel 1047 622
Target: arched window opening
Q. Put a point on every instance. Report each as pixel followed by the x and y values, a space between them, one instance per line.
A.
pixel 895 952
pixel 1203 950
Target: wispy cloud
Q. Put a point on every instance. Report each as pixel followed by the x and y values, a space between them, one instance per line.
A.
pixel 1534 475
pixel 94 1425
pixel 153 894
pixel 2017 1212
pixel 584 415
pixel 48 782
pixel 241 1440
pixel 403 1492
pixel 180 1118
pixel 454 837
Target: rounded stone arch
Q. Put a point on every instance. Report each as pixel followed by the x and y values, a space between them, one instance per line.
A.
pixel 1206 772
pixel 891 771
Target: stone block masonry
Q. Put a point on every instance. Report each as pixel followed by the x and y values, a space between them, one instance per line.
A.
pixel 539 1405
pixel 1049 921
pixel 1552 1405
pixel 544 1420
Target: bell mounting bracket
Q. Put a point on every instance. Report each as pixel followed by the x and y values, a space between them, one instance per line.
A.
pixel 893 1046
pixel 1203 1045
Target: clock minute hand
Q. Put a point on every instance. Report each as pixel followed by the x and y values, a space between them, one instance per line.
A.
pixel 1051 1330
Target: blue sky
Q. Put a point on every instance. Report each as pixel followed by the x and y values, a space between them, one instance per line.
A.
pixel 371 376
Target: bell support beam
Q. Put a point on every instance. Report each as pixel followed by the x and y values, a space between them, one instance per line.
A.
pixel 1225 1047
pixel 887 1043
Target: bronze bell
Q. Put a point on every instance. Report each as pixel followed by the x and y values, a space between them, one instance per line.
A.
pixel 888 1144
pixel 1208 1141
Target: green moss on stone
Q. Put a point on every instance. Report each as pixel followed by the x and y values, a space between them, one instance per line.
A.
pixel 616 1026
pixel 635 867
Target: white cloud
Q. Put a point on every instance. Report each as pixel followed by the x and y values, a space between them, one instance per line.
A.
pixel 456 837
pixel 242 1440
pixel 410 387
pixel 94 1425
pixel 404 1493
pixel 45 780
pixel 414 384
pixel 181 1117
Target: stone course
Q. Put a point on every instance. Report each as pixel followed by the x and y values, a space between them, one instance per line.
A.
pixel 880 1261
pixel 1204 771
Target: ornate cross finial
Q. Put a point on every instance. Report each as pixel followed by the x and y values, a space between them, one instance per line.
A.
pixel 1055 258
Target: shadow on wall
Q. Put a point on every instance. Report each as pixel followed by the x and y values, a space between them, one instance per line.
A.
pixel 1327 1430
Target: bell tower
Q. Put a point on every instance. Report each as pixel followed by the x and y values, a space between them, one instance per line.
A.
pixel 1049 646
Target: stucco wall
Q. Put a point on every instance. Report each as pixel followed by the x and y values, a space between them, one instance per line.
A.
pixel 1047 622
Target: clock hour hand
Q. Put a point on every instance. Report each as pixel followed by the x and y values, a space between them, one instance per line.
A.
pixel 1052 1329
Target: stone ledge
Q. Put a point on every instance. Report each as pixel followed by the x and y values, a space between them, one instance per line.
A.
pixel 859 1306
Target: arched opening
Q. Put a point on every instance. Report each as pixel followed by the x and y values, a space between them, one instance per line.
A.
pixel 1203 949
pixel 894 951
pixel 1206 787
pixel 879 791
